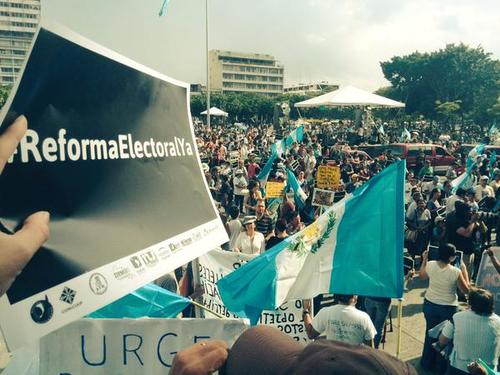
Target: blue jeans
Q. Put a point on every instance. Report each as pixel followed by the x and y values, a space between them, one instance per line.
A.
pixel 434 314
pixel 378 310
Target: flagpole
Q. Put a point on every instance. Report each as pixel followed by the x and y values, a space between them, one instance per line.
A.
pixel 208 77
pixel 400 328
pixel 207 309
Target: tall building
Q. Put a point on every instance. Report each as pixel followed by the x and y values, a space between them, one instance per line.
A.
pixel 235 72
pixel 305 88
pixel 18 24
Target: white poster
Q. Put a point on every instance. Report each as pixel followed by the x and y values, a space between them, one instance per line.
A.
pixel 217 264
pixel 128 346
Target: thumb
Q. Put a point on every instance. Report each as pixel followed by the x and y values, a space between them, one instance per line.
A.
pixel 34 233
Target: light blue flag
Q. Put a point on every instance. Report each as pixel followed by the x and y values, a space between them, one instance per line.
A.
pixel 355 247
pixel 491 164
pixel 163 7
pixel 266 170
pixel 149 301
pixel 381 129
pixel 299 194
pixel 493 129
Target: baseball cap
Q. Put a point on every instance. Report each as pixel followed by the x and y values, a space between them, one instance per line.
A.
pixel 265 350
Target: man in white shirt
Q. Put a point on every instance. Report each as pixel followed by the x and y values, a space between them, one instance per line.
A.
pixel 483 190
pixel 342 322
pixel 239 188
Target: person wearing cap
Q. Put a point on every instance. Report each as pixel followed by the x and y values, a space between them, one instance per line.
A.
pixel 265 350
pixel 250 241
pixel 483 190
pixel 239 187
pixel 342 322
pixel 475 333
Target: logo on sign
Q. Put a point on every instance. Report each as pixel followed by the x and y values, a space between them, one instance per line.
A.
pixel 42 311
pixel 68 295
pixel 98 284
pixel 120 273
pixel 164 252
pixel 150 259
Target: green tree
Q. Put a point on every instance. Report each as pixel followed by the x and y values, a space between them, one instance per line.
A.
pixel 4 94
pixel 455 73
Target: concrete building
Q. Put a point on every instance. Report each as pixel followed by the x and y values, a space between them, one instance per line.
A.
pixel 18 24
pixel 314 88
pixel 235 72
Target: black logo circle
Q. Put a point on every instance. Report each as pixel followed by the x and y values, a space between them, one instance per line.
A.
pixel 98 284
pixel 42 311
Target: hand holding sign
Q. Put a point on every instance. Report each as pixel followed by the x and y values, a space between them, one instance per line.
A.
pixel 16 250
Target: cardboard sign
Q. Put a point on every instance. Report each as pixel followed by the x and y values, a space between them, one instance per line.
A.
pixel 128 346
pixel 109 153
pixel 489 278
pixel 274 189
pixel 327 177
pixel 217 264
pixel 323 198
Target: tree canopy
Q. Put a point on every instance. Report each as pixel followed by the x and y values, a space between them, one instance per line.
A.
pixel 434 84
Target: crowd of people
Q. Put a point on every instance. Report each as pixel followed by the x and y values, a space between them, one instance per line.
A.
pixel 447 230
pixel 448 227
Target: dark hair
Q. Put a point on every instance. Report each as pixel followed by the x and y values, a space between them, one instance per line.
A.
pixel 460 192
pixel 234 212
pixel 481 301
pixel 434 191
pixel 343 298
pixel 446 251
pixel 281 225
pixel 252 184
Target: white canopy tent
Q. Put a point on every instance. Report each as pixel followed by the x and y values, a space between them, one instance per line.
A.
pixel 350 96
pixel 214 111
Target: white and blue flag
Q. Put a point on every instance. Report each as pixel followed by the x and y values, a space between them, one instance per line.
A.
pixel 298 193
pixel 355 247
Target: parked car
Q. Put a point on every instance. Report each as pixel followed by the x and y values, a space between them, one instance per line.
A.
pixel 440 158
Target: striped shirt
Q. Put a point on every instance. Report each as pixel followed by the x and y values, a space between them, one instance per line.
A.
pixel 474 336
pixel 265 225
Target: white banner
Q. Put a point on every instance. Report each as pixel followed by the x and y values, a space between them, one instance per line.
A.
pixel 128 346
pixel 217 264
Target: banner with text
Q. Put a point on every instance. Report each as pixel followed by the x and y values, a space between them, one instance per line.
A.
pixel 128 346
pixel 327 177
pixel 109 153
pixel 218 263
pixel 489 278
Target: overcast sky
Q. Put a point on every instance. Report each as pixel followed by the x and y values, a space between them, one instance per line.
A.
pixel 341 41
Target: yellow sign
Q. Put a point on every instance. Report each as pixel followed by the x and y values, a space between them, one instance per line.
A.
pixel 274 189
pixel 328 177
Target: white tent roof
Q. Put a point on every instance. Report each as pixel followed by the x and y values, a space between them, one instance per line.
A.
pixel 349 96
pixel 214 111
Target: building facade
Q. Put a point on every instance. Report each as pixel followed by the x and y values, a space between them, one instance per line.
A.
pixel 314 88
pixel 18 24
pixel 235 72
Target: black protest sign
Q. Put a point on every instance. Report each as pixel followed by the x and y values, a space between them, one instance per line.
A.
pixel 110 153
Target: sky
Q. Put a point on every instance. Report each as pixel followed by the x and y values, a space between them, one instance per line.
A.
pixel 340 41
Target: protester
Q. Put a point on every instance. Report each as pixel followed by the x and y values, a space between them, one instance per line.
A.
pixel 450 202
pixel 441 301
pixel 341 322
pixel 475 333
pixel 18 248
pixel 234 226
pixel 280 234
pixel 240 184
pixel 264 223
pixel 483 190
pixel 250 241
pixel 378 309
pixel 254 195
pixel 419 220
pixel 494 260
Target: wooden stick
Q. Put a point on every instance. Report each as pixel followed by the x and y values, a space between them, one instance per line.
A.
pixel 207 309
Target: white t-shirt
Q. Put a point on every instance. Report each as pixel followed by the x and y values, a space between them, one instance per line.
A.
pixel 474 336
pixel 344 323
pixel 442 288
pixel 450 203
pixel 248 246
pixel 239 181
pixel 235 227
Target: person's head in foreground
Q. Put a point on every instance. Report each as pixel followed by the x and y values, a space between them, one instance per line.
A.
pixel 265 350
